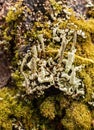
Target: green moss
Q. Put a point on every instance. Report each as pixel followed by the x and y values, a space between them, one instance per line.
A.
pixel 17 79
pixel 77 117
pixel 6 36
pixel 64 103
pixel 5 109
pixel 88 85
pixel 68 124
pixel 14 13
pixel 85 57
pixel 56 6
pixel 47 109
pixel 13 111
pixel 90 12
pixel 87 26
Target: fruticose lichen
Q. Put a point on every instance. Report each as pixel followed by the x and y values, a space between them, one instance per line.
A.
pixel 51 53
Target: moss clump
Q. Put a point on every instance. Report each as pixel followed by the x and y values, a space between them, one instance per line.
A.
pixel 14 12
pixel 47 109
pixel 87 26
pixel 82 50
pixel 77 117
pixel 13 111
pixel 63 102
pixel 90 12
pixel 88 85
pixel 68 124
pixel 85 57
pixel 56 6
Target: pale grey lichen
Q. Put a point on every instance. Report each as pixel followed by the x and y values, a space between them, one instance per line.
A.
pixel 26 82
pixel 60 35
pixel 41 39
pixel 43 72
pixel 81 33
pixel 70 60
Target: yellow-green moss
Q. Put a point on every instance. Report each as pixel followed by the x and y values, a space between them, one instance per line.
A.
pixel 17 79
pixel 88 85
pixel 6 102
pixel 14 12
pixel 6 36
pixel 77 117
pixel 64 103
pixel 47 109
pixel 90 12
pixel 68 124
pixel 56 6
pixel 86 25
pixel 12 110
pixel 85 56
